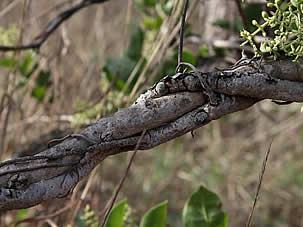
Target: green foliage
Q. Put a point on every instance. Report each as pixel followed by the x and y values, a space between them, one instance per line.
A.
pixel 145 3
pixel 117 215
pixel 21 214
pixel 252 12
pixel 24 65
pixel 285 20
pixel 8 36
pixel 119 69
pixel 134 50
pixel 227 25
pixel 142 37
pixel 42 84
pixel 156 216
pixel 204 209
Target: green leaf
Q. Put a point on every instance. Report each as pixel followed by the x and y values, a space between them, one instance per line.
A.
pixel 150 2
pixel 156 216
pixel 117 215
pixel 43 78
pixel 204 209
pixel 203 51
pixel 189 57
pixel 152 23
pixel 252 11
pixel 8 62
pixel 42 84
pixel 236 26
pixel 21 214
pixel 118 70
pixel 39 93
pixel 27 64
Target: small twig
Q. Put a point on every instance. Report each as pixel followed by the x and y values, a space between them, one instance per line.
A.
pixel 74 135
pixel 180 51
pixel 9 7
pixel 281 103
pixel 52 26
pixel 82 197
pixel 259 185
pixel 44 217
pixel 242 13
pixel 266 114
pixel 112 201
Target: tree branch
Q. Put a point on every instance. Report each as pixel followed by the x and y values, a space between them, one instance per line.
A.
pixel 52 26
pixel 172 107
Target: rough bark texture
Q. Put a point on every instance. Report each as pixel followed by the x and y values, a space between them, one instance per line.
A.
pixel 172 107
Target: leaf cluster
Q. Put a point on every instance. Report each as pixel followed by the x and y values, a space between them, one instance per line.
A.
pixel 285 20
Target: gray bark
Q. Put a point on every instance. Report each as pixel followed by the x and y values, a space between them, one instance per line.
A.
pixel 172 107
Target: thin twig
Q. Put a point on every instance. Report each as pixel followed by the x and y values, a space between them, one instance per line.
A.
pixel 25 10
pixel 52 26
pixel 82 197
pixel 9 7
pixel 112 201
pixel 44 217
pixel 180 51
pixel 249 220
pixel 242 13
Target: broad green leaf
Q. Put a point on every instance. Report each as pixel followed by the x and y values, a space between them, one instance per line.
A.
pixel 156 216
pixel 204 209
pixel 117 215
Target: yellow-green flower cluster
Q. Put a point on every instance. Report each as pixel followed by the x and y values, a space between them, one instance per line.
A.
pixel 286 21
pixel 8 36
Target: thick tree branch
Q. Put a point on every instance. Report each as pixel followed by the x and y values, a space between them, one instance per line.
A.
pixel 172 107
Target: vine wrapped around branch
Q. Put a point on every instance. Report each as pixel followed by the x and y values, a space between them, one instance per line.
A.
pixel 172 107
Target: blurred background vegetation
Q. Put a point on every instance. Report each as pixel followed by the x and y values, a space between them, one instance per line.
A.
pixel 101 60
